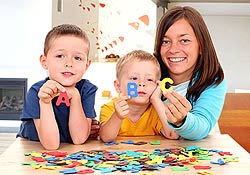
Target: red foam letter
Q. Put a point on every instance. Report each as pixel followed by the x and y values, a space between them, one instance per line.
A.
pixel 63 98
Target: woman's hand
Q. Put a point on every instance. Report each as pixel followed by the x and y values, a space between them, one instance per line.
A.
pixel 177 108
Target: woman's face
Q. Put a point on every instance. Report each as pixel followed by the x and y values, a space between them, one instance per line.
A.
pixel 180 51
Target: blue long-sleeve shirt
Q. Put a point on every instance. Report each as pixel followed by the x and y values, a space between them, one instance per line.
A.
pixel 204 114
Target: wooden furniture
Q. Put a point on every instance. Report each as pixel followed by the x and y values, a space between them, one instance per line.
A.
pixel 11 159
pixel 235 118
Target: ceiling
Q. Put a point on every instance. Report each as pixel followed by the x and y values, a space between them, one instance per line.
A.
pixel 163 3
pixel 212 7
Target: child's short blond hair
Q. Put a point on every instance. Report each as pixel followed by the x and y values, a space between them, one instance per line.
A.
pixel 136 55
pixel 63 30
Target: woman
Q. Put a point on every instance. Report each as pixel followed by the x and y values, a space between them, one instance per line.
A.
pixel 186 54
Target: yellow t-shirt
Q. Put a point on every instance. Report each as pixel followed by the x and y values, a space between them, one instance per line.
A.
pixel 149 124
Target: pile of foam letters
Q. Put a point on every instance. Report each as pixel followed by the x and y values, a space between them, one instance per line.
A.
pixel 134 161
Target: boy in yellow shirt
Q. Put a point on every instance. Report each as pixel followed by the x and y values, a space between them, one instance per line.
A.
pixel 125 116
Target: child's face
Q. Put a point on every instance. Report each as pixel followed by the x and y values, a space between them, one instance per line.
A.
pixel 66 60
pixel 144 74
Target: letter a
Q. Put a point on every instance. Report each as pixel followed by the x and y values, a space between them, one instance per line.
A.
pixel 63 98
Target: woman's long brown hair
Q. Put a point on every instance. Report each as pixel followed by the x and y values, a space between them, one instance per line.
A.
pixel 208 70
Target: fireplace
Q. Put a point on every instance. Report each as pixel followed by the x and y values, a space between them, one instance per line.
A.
pixel 12 95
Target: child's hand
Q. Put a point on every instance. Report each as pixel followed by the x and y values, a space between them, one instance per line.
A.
pixel 156 95
pixel 49 90
pixel 72 92
pixel 170 134
pixel 121 107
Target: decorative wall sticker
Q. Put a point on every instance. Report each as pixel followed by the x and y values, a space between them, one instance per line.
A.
pixel 117 31
pixel 144 19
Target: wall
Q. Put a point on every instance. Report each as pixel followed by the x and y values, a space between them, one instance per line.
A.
pixel 110 25
pixel 72 13
pixel 112 28
pixel 25 24
pixel 23 27
pixel 130 23
pixel 228 24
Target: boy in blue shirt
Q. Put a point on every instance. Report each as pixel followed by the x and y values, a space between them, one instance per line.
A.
pixel 66 50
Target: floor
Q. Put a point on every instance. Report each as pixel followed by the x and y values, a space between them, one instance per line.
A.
pixel 6 139
pixel 9 126
pixel 8 130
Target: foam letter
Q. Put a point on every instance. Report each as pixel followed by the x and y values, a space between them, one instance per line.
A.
pixel 63 98
pixel 163 84
pixel 132 89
